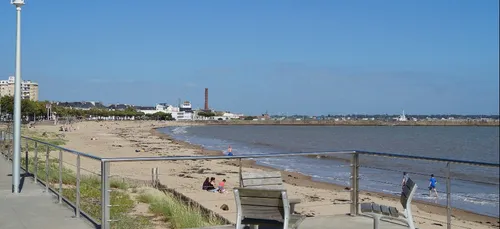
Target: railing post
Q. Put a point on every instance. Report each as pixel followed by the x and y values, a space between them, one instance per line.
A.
pixel 448 197
pixel 60 175
pixel 77 210
pixel 354 184
pixel 105 195
pixel 35 172
pixel 153 177
pixel 239 172
pixel 47 181
pixel 26 163
pixel 157 179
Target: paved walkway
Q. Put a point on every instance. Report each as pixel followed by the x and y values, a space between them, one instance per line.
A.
pixel 335 221
pixel 32 208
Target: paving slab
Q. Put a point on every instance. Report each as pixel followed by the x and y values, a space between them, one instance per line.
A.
pixel 33 207
pixel 333 221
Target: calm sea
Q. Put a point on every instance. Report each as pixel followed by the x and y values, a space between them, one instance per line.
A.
pixel 473 188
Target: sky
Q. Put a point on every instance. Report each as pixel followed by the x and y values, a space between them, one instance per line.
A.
pixel 280 56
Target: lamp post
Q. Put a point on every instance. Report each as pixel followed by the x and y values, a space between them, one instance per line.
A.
pixel 16 161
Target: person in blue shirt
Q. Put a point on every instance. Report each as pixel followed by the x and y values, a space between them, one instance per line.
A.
pixel 432 185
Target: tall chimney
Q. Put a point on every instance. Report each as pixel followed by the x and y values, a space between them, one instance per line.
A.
pixel 206 99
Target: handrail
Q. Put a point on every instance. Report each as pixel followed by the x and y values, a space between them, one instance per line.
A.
pixel 248 156
pixel 65 149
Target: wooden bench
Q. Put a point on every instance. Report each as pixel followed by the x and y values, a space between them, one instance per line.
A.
pixel 380 211
pixel 266 180
pixel 258 207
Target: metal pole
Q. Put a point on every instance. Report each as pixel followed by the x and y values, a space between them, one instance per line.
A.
pixel 152 177
pixel 157 177
pixel 26 162
pixel 60 176
pixel 47 181
pixel 77 186
pixel 240 175
pixel 448 197
pixel 16 163
pixel 105 194
pixel 354 184
pixel 36 161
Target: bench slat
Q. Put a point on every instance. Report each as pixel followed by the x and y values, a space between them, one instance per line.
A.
pixel 251 175
pixel 376 208
pixel 263 212
pixel 366 207
pixel 260 193
pixel 394 212
pixel 262 181
pixel 258 201
pixel 385 210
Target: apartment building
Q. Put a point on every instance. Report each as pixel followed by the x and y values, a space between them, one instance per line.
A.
pixel 29 88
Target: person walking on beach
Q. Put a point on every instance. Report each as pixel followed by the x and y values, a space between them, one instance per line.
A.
pixel 229 151
pixel 405 178
pixel 432 185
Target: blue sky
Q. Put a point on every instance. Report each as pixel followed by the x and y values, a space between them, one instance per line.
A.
pixel 283 56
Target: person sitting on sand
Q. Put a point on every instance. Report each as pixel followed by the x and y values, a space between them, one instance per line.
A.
pixel 211 185
pixel 221 186
pixel 206 184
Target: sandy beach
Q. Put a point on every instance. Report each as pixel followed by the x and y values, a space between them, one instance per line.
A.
pixel 139 138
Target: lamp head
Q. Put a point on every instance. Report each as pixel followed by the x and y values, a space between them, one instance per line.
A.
pixel 17 3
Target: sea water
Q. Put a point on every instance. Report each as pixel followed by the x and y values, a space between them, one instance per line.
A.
pixel 473 188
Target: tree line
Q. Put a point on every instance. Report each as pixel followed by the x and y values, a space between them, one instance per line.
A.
pixel 31 109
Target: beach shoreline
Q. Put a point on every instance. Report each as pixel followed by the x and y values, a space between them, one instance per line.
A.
pixel 299 179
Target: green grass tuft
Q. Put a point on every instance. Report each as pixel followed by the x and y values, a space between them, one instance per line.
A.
pixel 173 210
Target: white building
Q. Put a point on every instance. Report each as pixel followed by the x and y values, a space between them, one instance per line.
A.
pixel 29 88
pixel 184 112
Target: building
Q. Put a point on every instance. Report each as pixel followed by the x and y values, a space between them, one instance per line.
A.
pixel 29 88
pixel 185 112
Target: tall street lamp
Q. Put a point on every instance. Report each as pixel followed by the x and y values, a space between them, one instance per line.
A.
pixel 16 162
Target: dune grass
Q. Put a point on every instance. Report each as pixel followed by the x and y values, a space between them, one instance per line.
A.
pixel 174 211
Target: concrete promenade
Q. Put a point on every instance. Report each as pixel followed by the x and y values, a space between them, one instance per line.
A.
pixel 32 208
pixel 335 221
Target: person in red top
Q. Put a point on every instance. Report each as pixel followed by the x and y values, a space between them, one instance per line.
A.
pixel 221 186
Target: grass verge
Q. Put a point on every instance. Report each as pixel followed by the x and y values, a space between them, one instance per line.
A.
pixel 174 211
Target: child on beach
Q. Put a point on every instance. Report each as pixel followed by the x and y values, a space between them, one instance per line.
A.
pixel 405 178
pixel 432 185
pixel 221 186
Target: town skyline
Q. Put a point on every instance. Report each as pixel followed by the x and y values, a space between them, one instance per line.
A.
pixel 324 58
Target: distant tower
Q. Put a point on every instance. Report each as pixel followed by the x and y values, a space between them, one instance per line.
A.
pixel 206 99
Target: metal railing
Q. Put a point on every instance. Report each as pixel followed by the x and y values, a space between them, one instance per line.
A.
pixel 104 167
pixel 38 152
